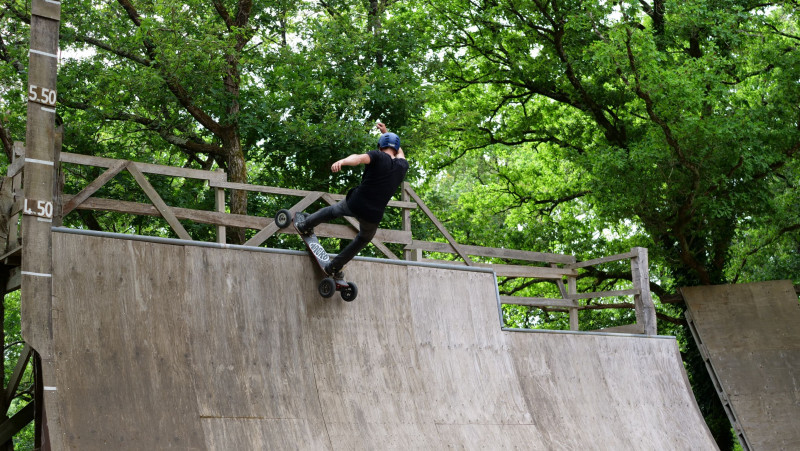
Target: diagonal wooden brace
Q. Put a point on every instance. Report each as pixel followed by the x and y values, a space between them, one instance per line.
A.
pixel 439 225
pixel 158 202
pixel 270 230
pixel 19 371
pixel 94 186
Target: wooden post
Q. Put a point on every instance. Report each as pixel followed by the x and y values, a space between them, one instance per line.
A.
pixel 39 170
pixel 406 216
pixel 219 204
pixel 640 274
pixel 572 288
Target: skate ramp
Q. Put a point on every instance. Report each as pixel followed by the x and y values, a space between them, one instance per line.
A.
pixel 184 347
pixel 749 335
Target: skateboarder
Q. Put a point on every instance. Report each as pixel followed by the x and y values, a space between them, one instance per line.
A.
pixel 384 171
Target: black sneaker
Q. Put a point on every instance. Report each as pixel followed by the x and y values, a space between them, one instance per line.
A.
pixel 300 223
pixel 333 272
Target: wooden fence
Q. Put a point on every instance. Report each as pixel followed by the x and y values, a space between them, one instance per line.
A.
pixel 558 268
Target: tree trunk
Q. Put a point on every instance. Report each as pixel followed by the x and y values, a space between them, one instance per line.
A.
pixel 237 172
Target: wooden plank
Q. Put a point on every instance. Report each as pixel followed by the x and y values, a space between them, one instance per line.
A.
pixel 457 247
pixel 94 186
pixel 159 203
pixel 493 252
pixel 147 168
pixel 10 427
pixel 231 220
pixel 537 302
pixel 533 272
pixel 597 261
pixel 294 192
pixel 356 226
pixel 269 230
pixel 604 294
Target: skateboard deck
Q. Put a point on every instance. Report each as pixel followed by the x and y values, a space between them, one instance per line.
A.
pixel 329 285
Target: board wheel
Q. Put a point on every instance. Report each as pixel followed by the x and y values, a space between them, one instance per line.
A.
pixel 349 294
pixel 327 287
pixel 283 218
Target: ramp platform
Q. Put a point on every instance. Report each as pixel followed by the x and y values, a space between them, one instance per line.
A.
pixel 160 345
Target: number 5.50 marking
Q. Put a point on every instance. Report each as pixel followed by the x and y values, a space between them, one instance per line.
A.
pixel 42 95
pixel 41 208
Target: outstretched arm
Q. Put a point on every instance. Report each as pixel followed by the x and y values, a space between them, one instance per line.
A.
pixel 353 160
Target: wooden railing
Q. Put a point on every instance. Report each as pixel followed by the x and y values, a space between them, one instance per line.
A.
pixel 563 270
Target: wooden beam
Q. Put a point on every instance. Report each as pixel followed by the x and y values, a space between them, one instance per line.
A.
pixel 294 192
pixel 147 168
pixel 94 186
pixel 10 427
pixel 159 203
pixel 597 261
pixel 231 220
pixel 500 270
pixel 16 377
pixel 457 247
pixel 492 252
pixel 538 302
pixel 270 230
pixel 604 294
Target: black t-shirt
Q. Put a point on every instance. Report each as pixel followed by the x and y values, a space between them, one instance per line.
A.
pixel 381 178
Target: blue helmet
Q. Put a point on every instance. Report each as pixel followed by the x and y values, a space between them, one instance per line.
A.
pixel 389 140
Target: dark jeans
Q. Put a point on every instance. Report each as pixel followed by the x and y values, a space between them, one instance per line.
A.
pixel 365 234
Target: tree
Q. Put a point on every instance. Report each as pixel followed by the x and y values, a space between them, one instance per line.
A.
pixel 247 86
pixel 676 121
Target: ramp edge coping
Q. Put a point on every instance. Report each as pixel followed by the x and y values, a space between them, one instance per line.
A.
pixel 586 332
pixel 181 242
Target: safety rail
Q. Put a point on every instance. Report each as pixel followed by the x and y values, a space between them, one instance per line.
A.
pixel 558 268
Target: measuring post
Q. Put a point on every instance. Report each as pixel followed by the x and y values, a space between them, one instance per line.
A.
pixel 38 179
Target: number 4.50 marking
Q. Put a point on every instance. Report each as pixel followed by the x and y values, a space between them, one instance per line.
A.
pixel 41 208
pixel 42 95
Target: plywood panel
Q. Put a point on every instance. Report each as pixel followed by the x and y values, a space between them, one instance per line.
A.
pixel 752 338
pixel 121 341
pixel 233 349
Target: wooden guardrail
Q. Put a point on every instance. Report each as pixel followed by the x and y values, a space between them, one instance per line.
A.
pixel 563 270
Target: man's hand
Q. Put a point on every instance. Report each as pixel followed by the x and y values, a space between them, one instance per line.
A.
pixel 381 126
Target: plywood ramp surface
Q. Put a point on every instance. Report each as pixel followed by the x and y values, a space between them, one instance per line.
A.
pixel 163 346
pixel 751 335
